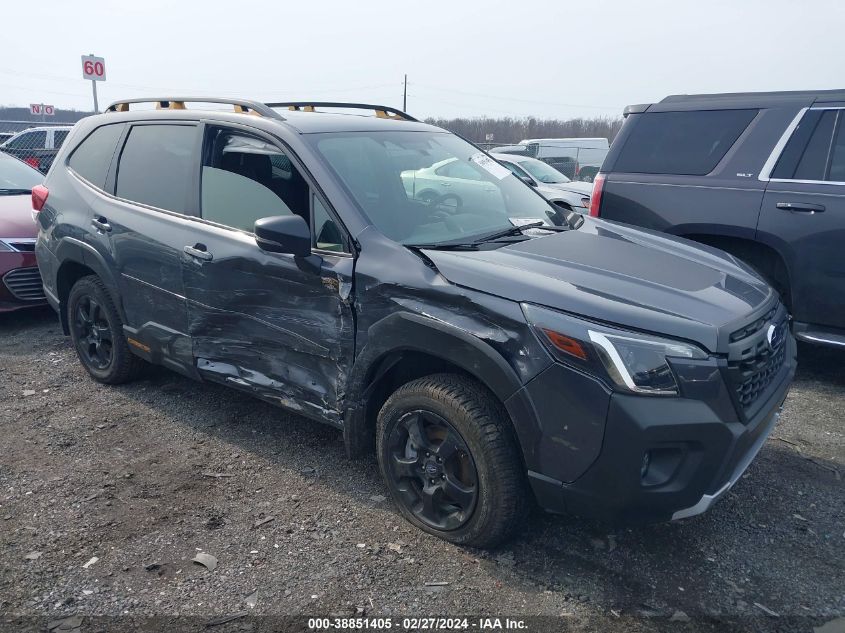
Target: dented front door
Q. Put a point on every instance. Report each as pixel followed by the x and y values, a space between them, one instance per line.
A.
pixel 275 325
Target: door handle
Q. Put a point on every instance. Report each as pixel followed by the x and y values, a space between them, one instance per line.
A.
pixel 801 207
pixel 101 224
pixel 198 251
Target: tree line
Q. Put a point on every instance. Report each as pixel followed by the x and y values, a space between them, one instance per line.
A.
pixel 507 130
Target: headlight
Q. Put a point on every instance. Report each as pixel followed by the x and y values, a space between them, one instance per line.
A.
pixel 634 362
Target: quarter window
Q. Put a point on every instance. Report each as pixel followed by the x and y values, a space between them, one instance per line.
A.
pixel 684 143
pixel 157 166
pixel 92 158
pixel 326 234
pixel 59 137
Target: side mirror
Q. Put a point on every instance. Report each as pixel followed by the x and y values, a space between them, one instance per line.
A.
pixel 529 181
pixel 284 234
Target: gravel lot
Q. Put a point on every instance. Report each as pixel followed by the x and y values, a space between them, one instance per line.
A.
pixel 146 475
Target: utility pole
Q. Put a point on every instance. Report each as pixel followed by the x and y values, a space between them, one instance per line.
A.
pixel 405 95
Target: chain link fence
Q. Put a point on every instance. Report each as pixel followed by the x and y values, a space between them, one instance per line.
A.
pixel 34 142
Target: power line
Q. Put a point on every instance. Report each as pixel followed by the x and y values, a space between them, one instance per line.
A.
pixel 505 98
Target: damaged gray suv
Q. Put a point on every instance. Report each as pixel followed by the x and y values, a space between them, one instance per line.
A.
pixel 390 279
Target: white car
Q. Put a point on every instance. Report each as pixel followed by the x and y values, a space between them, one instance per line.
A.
pixel 452 182
pixel 548 181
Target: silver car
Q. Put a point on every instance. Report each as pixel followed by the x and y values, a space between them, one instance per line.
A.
pixel 548 181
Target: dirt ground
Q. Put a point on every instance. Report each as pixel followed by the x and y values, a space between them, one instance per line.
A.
pixel 141 478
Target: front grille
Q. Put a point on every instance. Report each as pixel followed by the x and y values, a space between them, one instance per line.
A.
pixel 25 284
pixel 753 327
pixel 753 376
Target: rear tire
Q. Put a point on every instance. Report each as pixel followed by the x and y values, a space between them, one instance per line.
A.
pixel 96 330
pixel 476 494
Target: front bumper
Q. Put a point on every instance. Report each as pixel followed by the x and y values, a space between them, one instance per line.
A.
pixel 20 282
pixel 698 449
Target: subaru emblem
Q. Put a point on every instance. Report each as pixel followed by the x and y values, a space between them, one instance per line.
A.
pixel 774 336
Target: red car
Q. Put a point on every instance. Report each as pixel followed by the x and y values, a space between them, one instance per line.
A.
pixel 21 282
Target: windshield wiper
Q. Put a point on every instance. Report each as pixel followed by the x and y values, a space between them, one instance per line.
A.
pixel 14 192
pixel 474 243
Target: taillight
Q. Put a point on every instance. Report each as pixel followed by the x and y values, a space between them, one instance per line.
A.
pixel 32 161
pixel 595 199
pixel 39 197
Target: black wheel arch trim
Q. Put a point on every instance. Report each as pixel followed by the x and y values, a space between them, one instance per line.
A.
pixel 409 332
pixel 72 250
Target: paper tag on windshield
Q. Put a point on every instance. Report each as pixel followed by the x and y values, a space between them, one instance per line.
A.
pixel 491 166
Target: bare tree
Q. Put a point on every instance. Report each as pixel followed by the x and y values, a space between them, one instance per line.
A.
pixel 507 130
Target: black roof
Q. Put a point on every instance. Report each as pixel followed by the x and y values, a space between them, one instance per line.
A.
pixel 795 98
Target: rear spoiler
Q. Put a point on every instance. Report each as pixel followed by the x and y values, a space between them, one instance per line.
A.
pixel 636 109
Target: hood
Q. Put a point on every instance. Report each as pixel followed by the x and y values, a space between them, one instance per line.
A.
pixel 574 186
pixel 16 217
pixel 619 275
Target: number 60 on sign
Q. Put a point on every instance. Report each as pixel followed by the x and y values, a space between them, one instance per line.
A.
pixel 93 68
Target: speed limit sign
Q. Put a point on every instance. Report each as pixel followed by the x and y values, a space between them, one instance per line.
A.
pixel 93 68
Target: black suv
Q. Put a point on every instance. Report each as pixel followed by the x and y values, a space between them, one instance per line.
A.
pixel 760 175
pixel 490 347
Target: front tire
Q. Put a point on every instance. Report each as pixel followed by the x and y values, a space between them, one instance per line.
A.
pixel 96 330
pixel 450 460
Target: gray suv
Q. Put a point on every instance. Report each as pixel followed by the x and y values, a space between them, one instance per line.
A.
pixel 760 175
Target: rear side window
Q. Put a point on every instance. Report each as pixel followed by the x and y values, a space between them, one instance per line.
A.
pixel 92 158
pixel 30 140
pixel 816 149
pixel 684 143
pixel 157 166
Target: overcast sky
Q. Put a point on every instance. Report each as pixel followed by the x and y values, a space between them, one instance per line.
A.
pixel 463 57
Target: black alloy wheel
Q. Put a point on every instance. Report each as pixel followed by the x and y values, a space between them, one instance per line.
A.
pixel 432 470
pixel 92 332
pixel 96 329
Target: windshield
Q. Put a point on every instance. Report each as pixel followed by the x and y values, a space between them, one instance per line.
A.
pixel 16 175
pixel 542 171
pixel 430 187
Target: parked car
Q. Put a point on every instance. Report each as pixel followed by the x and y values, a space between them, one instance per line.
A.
pixel 489 353
pixel 577 158
pixel 549 182
pixel 37 146
pixel 21 287
pixel 5 136
pixel 759 175
pixel 452 182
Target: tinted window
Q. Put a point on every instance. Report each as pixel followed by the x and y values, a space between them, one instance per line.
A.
pixel 811 148
pixel 156 166
pixel 326 234
pixel 245 179
pixel 689 143
pixel 59 137
pixel 92 158
pixel 30 140
pixel 837 162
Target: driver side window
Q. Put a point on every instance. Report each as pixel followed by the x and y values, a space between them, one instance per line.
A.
pixel 245 178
